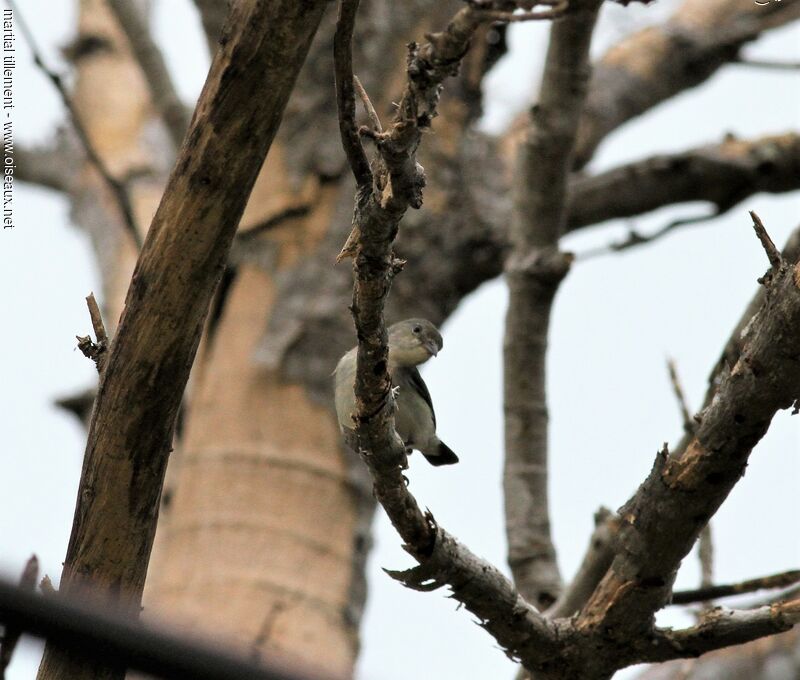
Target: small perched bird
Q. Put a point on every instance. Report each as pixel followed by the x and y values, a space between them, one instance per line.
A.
pixel 411 343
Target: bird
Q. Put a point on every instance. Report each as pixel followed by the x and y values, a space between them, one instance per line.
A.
pixel 411 343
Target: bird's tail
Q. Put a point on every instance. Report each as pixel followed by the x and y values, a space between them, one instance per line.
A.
pixel 443 456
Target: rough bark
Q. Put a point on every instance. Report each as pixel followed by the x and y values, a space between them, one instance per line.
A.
pixel 131 430
pixel 689 488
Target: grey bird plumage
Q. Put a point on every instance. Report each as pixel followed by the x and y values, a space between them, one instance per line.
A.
pixel 411 343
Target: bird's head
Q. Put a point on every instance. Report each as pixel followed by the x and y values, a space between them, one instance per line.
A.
pixel 413 341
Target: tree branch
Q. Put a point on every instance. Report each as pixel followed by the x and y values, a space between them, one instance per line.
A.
pixel 96 351
pixel 782 580
pixel 688 487
pixel 165 97
pixel 345 92
pixel 131 432
pixel 397 185
pixel 534 270
pixel 117 188
pixel 659 62
pixel 722 174
pixel 722 628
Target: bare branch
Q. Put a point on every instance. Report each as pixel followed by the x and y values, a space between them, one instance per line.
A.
pixel 345 95
pixel 688 421
pixel 534 270
pixel 99 331
pixel 771 65
pixel 380 205
pixel 148 55
pixel 722 174
pixel 117 188
pixel 368 107
pixel 688 487
pixel 773 254
pixel 722 628
pixel 782 580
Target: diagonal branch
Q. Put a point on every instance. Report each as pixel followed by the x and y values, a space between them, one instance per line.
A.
pixel 131 431
pixel 148 55
pixel 534 270
pixel 689 487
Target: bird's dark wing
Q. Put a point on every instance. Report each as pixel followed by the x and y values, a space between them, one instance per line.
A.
pixel 416 381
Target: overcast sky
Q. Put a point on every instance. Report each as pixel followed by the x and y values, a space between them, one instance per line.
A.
pixel 616 319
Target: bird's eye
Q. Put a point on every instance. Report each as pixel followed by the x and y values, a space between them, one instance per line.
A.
pixel 417 329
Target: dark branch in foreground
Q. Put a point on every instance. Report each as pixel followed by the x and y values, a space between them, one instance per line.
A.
pixel 12 631
pixel 117 188
pixel 122 643
pixel 781 580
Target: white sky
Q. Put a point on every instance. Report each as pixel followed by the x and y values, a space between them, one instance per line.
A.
pixel 616 319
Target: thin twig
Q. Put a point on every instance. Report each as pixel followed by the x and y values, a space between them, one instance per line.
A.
pixel 96 351
pixel 99 331
pixel 763 63
pixel 773 254
pixel 781 580
pixel 688 421
pixel 368 107
pixel 117 188
pixel 345 94
pixel 12 633
pixel 634 238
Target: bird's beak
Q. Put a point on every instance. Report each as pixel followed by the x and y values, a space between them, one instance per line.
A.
pixel 431 347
